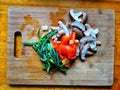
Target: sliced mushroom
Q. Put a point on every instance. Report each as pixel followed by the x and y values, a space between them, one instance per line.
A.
pixel 84 51
pixel 64 27
pixel 87 43
pixel 79 16
pixel 76 16
pixel 85 40
pixel 78 25
pixel 93 46
pixel 90 31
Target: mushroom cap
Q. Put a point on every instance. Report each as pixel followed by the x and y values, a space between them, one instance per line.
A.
pixel 78 25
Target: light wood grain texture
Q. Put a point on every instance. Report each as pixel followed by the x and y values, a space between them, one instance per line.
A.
pixel 27 70
pixel 101 4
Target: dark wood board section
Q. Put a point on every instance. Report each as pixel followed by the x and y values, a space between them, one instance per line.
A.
pixel 27 70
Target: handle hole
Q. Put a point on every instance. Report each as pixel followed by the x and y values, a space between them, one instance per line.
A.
pixel 18 44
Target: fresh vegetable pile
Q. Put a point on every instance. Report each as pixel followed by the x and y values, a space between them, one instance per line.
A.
pixel 48 55
pixel 60 47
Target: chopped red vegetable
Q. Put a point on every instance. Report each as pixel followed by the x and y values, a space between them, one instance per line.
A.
pixel 67 48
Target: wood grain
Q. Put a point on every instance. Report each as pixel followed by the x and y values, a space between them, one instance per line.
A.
pixel 28 69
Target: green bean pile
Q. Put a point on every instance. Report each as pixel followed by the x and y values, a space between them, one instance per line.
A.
pixel 47 54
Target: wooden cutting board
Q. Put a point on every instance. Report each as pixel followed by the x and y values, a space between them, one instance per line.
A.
pixel 97 70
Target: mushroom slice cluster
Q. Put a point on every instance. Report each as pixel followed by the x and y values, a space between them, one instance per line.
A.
pixel 87 34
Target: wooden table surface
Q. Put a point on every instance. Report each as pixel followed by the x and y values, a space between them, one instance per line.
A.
pixel 101 4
